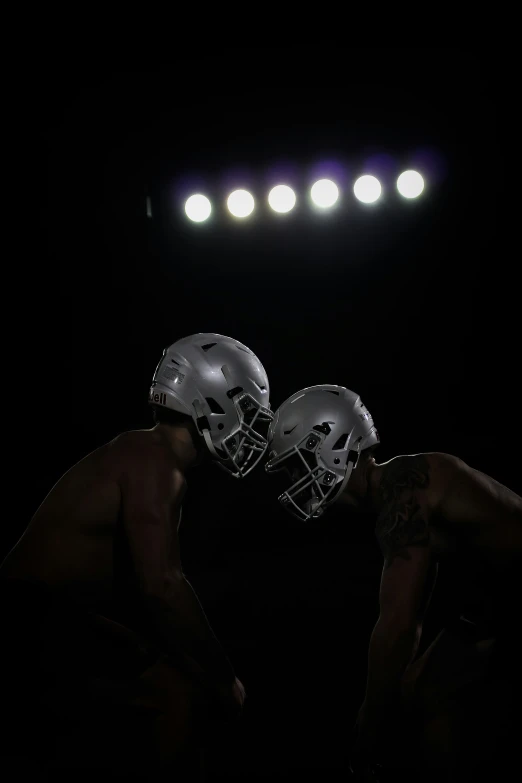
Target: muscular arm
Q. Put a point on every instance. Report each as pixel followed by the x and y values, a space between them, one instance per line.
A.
pixel 407 580
pixel 152 491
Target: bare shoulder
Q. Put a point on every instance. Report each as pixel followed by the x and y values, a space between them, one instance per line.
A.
pixel 145 452
pixel 135 442
pixel 403 473
pixel 441 461
pixel 467 482
pixel 431 476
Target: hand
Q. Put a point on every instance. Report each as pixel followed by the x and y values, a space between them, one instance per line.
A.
pixel 238 690
pixel 369 773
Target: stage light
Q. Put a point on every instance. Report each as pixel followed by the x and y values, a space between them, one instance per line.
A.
pixel 367 189
pixel 410 184
pixel 197 208
pixel 240 203
pixel 281 198
pixel 324 193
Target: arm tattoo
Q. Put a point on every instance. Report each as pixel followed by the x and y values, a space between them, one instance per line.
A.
pixel 401 522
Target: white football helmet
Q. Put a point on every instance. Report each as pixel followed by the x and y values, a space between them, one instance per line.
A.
pixel 223 386
pixel 316 437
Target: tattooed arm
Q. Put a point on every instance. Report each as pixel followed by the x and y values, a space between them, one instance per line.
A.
pixel 403 535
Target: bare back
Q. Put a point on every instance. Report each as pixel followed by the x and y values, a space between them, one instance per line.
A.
pixel 71 540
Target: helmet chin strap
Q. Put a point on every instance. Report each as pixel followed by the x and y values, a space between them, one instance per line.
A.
pixel 208 441
pixel 350 465
pixel 204 431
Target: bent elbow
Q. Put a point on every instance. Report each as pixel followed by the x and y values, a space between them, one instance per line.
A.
pixel 398 627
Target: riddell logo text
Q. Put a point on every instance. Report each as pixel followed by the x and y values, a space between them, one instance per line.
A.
pixel 160 398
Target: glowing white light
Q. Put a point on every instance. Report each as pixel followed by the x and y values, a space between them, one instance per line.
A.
pixel 367 189
pixel 410 184
pixel 240 203
pixel 281 198
pixel 198 208
pixel 324 193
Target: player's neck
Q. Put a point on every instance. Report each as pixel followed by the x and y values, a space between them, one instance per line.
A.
pixel 374 493
pixel 181 442
pixel 362 490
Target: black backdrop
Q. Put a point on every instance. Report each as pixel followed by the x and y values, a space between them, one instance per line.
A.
pixel 406 303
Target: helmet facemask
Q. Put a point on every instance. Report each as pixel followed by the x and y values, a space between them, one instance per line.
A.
pixel 314 486
pixel 239 451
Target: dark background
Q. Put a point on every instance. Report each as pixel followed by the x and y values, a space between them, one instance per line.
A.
pixel 406 302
